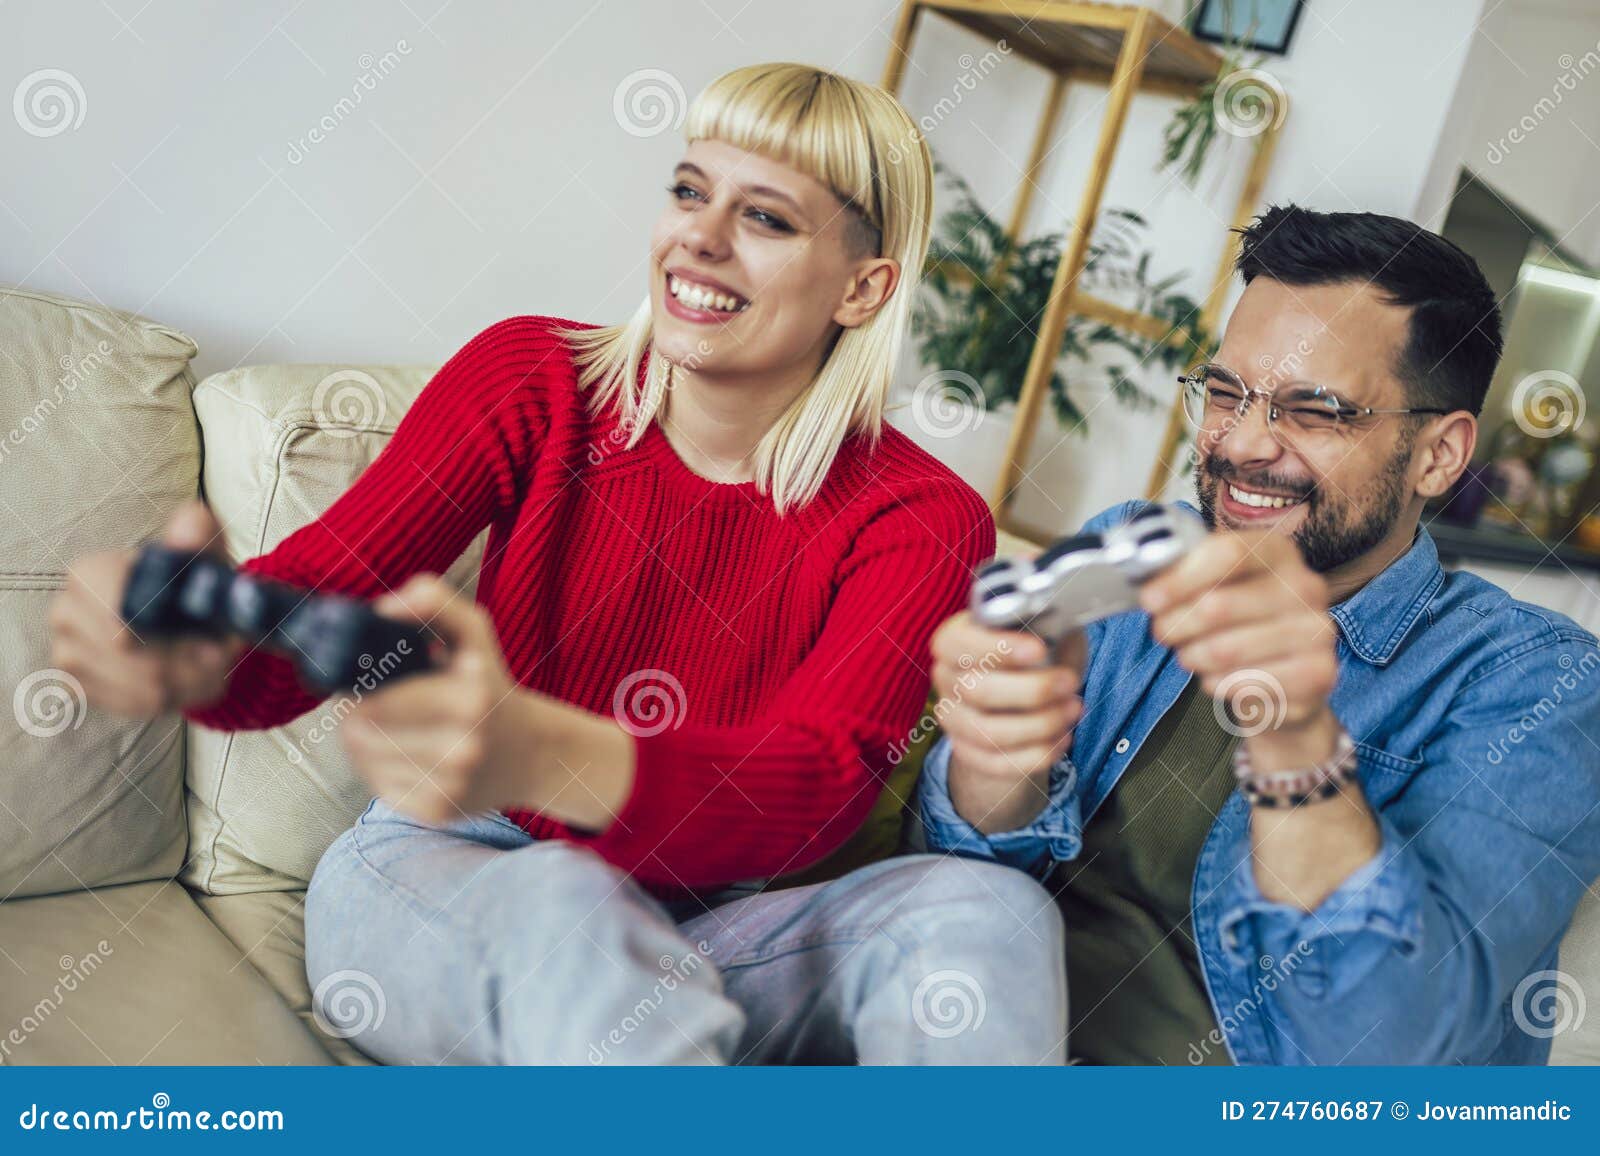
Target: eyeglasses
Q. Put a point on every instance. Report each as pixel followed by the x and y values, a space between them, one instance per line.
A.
pixel 1299 417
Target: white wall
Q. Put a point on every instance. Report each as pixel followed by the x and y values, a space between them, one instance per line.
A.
pixel 1534 93
pixel 485 174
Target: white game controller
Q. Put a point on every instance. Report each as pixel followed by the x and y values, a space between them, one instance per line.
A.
pixel 1086 577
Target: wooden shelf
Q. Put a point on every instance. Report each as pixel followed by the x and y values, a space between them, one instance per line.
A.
pixel 1084 40
pixel 1130 50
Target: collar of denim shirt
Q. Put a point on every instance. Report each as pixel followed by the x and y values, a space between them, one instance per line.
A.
pixel 1376 619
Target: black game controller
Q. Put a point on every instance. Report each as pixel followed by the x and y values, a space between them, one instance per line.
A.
pixel 334 641
pixel 1084 578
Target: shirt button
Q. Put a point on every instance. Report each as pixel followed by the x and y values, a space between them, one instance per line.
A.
pixel 1122 746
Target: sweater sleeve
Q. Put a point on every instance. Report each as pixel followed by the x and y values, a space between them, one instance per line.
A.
pixel 458 456
pixel 711 805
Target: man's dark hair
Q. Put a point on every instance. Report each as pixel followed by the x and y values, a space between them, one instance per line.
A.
pixel 1455 339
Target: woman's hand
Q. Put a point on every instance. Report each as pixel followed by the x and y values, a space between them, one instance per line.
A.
pixel 120 672
pixel 452 742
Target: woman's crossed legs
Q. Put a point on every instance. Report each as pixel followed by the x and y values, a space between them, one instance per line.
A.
pixel 473 943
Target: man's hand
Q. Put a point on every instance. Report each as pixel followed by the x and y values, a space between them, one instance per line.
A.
pixel 1008 716
pixel 468 738
pixel 1249 619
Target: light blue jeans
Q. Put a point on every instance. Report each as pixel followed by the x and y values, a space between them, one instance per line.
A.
pixel 472 943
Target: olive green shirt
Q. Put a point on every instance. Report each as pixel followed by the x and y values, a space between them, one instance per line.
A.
pixel 1134 983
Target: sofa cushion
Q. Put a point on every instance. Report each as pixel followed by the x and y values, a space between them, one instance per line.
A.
pixel 281 443
pixel 269 930
pixel 135 975
pixel 98 443
pixel 1576 1027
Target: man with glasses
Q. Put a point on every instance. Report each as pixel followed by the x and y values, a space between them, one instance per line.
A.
pixel 1320 801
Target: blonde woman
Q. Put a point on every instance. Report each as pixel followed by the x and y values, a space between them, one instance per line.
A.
pixel 702 622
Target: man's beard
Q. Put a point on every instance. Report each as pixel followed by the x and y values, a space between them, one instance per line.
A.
pixel 1337 527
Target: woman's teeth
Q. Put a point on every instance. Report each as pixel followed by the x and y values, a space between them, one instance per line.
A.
pixel 699 297
pixel 1263 501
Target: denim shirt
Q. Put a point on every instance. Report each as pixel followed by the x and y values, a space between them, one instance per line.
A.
pixel 1477 724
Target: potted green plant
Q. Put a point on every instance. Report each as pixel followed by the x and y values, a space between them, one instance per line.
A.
pixel 985 295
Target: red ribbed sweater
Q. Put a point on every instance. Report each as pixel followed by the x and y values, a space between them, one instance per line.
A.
pixel 800 643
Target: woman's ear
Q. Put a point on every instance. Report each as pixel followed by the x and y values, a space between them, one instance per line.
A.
pixel 1447 453
pixel 872 283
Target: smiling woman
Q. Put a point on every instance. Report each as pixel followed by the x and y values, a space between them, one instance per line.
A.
pixel 783 270
pixel 701 638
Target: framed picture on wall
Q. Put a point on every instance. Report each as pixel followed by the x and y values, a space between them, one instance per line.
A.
pixel 1259 25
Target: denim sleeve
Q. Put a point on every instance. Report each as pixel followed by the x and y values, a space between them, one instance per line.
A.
pixel 1484 857
pixel 1056 834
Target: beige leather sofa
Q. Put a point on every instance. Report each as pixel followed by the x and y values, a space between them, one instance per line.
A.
pixel 152 875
